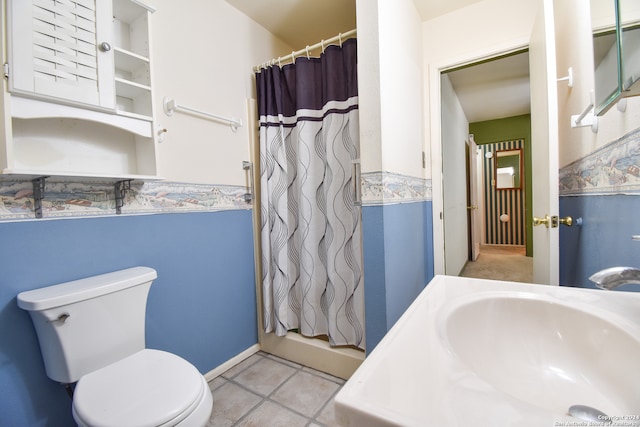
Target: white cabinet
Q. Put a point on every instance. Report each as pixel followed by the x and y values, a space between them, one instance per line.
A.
pixel 78 97
pixel 131 58
pixel 53 50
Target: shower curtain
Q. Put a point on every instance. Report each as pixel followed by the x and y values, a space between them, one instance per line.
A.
pixel 310 227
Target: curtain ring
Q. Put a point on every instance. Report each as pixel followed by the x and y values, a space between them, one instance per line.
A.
pixel 340 38
pixel 322 44
pixel 279 62
pixel 293 56
pixel 308 56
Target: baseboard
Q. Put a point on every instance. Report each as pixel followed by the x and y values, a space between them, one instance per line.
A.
pixel 314 353
pixel 217 371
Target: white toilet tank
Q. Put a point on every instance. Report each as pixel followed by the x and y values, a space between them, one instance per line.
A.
pixel 87 324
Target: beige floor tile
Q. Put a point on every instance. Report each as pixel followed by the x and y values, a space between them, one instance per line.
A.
pixel 324 375
pixel 264 376
pixel 305 392
pixel 230 403
pixel 270 414
pixel 328 415
pixel 217 382
pixel 254 358
pixel 281 360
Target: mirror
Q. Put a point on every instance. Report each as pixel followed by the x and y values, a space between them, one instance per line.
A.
pixel 616 51
pixel 508 169
pixel 629 11
pixel 606 54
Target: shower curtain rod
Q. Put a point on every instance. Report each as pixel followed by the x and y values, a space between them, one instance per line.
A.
pixel 339 38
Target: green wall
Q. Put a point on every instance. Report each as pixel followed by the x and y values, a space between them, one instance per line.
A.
pixel 509 129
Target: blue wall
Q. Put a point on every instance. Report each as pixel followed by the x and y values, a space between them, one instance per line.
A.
pixel 205 284
pixel 202 306
pixel 398 262
pixel 604 239
pixel 375 300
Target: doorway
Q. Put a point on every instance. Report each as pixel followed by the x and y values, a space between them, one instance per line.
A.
pixel 492 98
pixel 501 263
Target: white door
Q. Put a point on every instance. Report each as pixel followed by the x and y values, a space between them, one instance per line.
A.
pixel 544 140
pixel 474 212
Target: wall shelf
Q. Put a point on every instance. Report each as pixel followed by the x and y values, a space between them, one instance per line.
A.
pixel 98 125
pixel 27 108
pixel 65 175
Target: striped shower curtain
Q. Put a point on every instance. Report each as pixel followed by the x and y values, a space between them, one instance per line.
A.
pixel 310 227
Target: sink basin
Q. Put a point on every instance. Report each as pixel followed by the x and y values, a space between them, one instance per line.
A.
pixel 546 352
pixel 483 352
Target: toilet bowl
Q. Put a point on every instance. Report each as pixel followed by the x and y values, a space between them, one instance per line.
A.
pixel 91 333
pixel 148 388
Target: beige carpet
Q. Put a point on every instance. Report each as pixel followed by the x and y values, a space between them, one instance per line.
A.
pixel 501 263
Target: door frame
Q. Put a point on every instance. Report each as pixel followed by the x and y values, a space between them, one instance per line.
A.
pixel 435 117
pixel 544 160
pixel 474 199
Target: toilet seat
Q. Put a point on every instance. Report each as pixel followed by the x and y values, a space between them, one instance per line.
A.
pixel 149 388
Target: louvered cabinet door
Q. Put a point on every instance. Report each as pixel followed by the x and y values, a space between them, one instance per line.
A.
pixel 61 50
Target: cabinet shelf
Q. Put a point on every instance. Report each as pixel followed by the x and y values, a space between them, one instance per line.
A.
pixel 26 108
pixel 131 66
pixel 129 114
pixel 33 174
pixel 129 89
pixel 131 59
pixel 126 56
pixel 70 146
pixel 129 24
pixel 129 11
pixel 133 98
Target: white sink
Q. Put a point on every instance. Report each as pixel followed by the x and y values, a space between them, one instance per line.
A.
pixel 547 352
pixel 492 353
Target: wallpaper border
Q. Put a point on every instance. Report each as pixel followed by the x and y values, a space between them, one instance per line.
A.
pixel 611 169
pixel 381 188
pixel 74 199
pixel 67 199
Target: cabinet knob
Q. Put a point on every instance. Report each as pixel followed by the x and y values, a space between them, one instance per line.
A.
pixel 105 47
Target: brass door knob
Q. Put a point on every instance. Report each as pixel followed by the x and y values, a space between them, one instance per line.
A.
pixel 539 221
pixel 567 220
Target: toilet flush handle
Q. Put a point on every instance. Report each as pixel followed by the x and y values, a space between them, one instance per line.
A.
pixel 61 318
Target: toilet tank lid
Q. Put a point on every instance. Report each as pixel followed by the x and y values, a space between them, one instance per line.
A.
pixel 83 289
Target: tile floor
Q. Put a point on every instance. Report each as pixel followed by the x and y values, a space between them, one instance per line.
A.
pixel 267 391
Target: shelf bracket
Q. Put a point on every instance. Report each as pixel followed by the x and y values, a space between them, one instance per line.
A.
pixel 38 195
pixel 120 189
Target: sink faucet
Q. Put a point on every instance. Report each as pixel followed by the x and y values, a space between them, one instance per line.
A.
pixel 611 278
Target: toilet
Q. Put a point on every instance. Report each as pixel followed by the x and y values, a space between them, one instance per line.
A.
pixel 92 333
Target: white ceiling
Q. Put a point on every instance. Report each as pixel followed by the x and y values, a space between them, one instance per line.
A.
pixel 430 9
pixel 488 91
pixel 301 22
pixel 305 22
pixel 495 89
